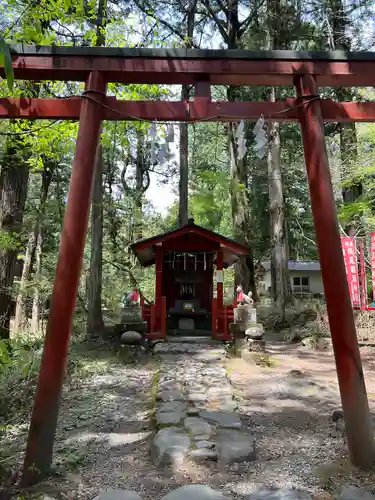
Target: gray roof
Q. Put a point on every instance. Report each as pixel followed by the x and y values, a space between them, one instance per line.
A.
pixel 297 265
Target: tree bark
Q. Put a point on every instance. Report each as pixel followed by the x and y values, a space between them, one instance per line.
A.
pixel 338 22
pixel 183 212
pixel 280 284
pixel 35 315
pixel 141 171
pixel 244 268
pixel 95 321
pixel 183 186
pixel 13 182
pixel 241 218
pixel 20 320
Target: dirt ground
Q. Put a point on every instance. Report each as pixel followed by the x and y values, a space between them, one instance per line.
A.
pixel 287 400
pixel 105 429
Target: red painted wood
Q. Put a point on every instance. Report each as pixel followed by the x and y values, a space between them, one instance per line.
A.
pixel 225 321
pixel 42 430
pixel 163 321
pixel 214 317
pixel 152 319
pixel 179 71
pixel 69 109
pixel 193 234
pixel 191 245
pixel 158 287
pixel 363 274
pixel 344 338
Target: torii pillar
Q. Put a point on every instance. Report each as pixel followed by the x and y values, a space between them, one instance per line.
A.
pixel 344 338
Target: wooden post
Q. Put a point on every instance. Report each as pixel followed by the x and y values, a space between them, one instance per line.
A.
pixel 225 322
pixel 164 317
pixel 344 339
pixel 214 317
pixel 44 416
pixel 158 285
pixel 219 287
pixel 152 319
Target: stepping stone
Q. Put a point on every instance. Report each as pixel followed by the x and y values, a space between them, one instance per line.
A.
pixel 354 493
pixel 192 411
pixel 205 444
pixel 172 406
pixel 234 446
pixel 170 447
pixel 197 397
pixel 202 437
pixel 228 406
pixel 222 419
pixel 197 426
pixel 195 492
pixel 263 493
pixel 169 417
pixel 219 391
pixel 111 494
pixel 203 454
pixel 169 385
pixel 170 396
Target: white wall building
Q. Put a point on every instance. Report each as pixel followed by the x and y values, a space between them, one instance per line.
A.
pixel 305 277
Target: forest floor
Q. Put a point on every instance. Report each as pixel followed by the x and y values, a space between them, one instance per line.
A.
pixel 286 399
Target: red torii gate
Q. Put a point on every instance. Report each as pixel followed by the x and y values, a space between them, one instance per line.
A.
pixel 306 72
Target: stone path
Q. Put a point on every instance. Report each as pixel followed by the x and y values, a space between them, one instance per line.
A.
pixel 195 411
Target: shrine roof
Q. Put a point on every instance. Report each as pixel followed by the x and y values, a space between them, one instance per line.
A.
pixel 191 238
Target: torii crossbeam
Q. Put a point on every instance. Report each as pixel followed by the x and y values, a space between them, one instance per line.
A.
pixel 303 71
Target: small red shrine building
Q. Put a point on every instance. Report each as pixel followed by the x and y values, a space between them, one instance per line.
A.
pixel 185 301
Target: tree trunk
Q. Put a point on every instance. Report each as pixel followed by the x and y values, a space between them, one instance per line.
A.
pixel 244 268
pixel 35 315
pixel 20 320
pixel 338 22
pixel 183 186
pixel 183 211
pixel 241 218
pixel 13 182
pixel 280 285
pixel 95 321
pixel 141 169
